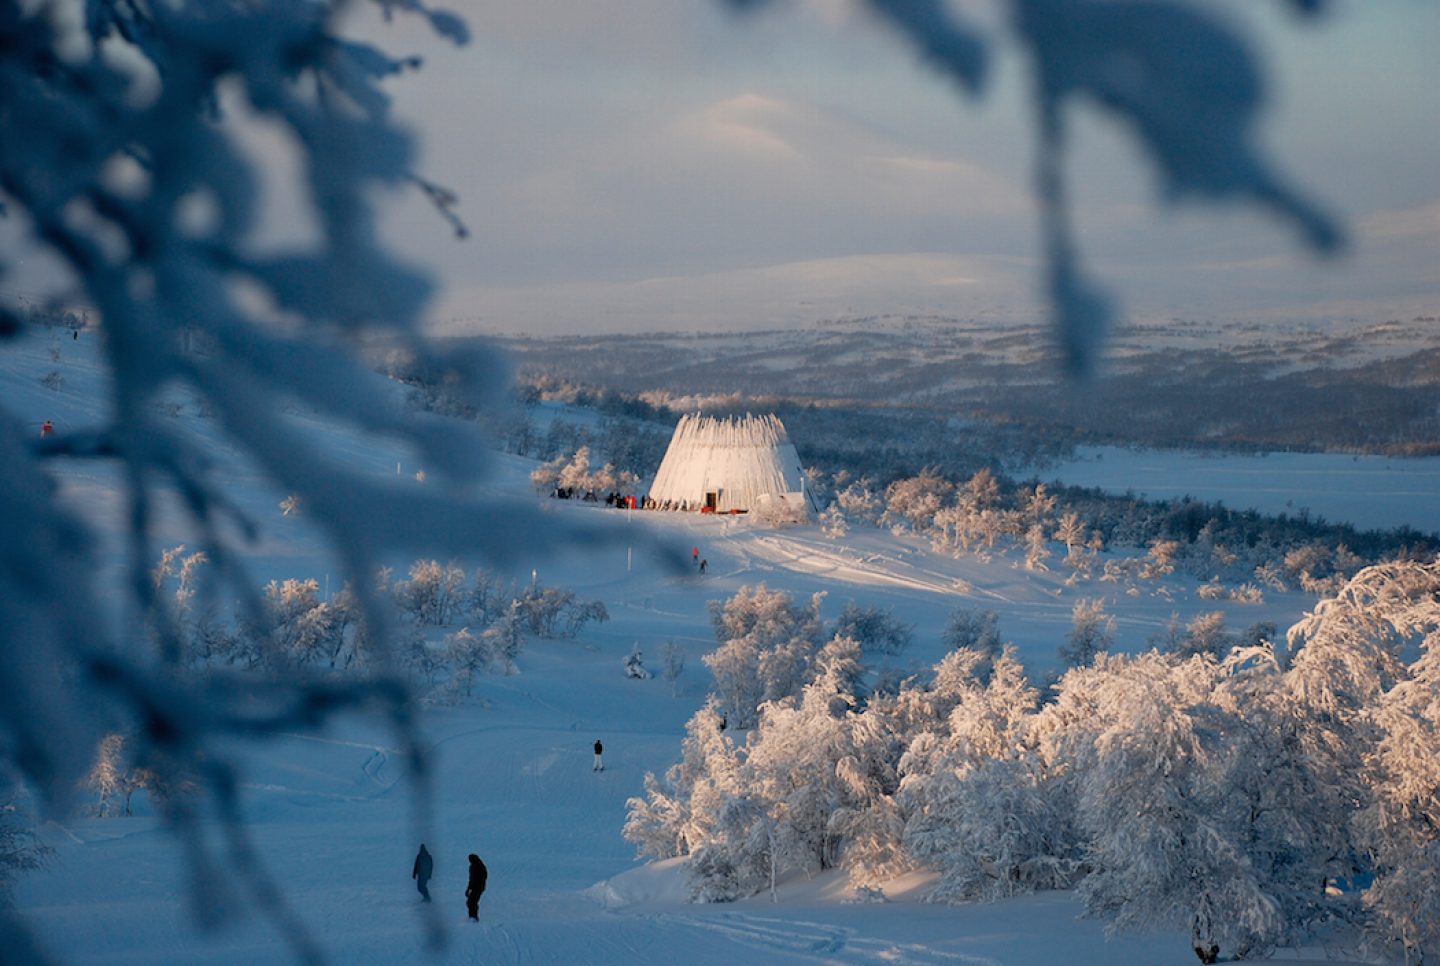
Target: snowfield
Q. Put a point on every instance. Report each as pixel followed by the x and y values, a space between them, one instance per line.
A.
pixel 334 823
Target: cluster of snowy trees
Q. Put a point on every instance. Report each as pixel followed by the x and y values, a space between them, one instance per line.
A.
pixel 299 627
pixel 769 645
pixel 574 472
pixel 1248 797
pixel 1240 554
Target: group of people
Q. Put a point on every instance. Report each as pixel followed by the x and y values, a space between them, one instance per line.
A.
pixel 612 499
pixel 424 868
pixel 474 887
pixel 625 501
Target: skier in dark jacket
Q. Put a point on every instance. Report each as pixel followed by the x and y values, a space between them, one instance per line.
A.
pixel 599 762
pixel 475 888
pixel 424 868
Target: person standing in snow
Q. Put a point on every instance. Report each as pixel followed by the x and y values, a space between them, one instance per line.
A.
pixel 703 565
pixel 424 868
pixel 695 556
pixel 599 763
pixel 475 887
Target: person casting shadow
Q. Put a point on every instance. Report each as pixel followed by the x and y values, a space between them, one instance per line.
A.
pixel 424 869
pixel 476 886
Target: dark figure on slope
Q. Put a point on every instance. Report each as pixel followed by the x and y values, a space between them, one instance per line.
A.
pixel 424 869
pixel 599 762
pixel 475 888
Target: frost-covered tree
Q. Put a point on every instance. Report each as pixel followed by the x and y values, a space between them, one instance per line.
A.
pixel 1160 560
pixel 576 475
pixel 117 128
pixel 972 628
pixel 971 793
pixel 1150 797
pixel 1399 829
pixel 833 523
pixel 468 656
pixel 1037 547
pixel 433 594
pixel 20 851
pixel 767 643
pixel 916 500
pixel 546 476
pixel 877 630
pixel 1091 632
pixel 804 787
pixel 678 814
pixel 858 501
pixel 1206 634
pixel 505 639
pixel 1344 656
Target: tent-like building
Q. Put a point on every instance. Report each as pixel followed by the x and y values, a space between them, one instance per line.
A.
pixel 731 465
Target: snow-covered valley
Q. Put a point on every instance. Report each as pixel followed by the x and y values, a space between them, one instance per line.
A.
pixel 334 822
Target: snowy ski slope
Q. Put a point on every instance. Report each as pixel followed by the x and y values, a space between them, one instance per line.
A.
pixel 331 816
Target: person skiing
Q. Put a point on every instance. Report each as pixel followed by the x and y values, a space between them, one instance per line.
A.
pixel 46 428
pixel 703 565
pixel 695 556
pixel 475 887
pixel 424 868
pixel 599 763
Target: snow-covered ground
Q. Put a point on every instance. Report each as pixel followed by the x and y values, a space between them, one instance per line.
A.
pixel 331 816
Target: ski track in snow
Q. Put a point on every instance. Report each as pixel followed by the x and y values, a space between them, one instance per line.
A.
pixel 866 569
pixel 821 942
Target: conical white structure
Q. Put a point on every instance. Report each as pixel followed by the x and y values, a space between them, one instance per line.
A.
pixel 730 465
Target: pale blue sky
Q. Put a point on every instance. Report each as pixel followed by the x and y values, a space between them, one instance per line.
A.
pixel 637 164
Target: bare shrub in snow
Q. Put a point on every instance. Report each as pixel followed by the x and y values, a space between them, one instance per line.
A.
pixel 672 665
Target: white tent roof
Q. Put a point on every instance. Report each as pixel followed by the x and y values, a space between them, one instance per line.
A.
pixel 743 462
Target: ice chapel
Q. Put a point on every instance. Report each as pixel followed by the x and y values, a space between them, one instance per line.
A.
pixel 731 465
